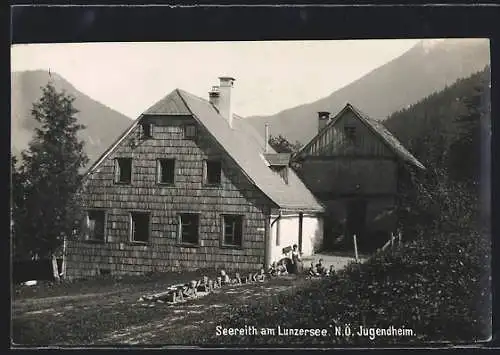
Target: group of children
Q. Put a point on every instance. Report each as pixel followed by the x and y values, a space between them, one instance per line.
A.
pixel 277 269
pixel 196 288
pixel 320 270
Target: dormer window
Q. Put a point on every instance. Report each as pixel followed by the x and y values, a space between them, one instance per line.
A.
pixel 190 131
pixel 147 130
pixel 350 133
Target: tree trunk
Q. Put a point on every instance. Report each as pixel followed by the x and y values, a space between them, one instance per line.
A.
pixel 55 268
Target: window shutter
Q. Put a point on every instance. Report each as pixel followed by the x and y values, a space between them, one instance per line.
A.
pixel 84 230
pixel 158 171
pixel 179 228
pixel 117 170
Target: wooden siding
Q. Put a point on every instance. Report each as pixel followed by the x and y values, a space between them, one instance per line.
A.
pixel 333 141
pixel 236 195
pixel 337 212
pixel 343 176
pixel 339 170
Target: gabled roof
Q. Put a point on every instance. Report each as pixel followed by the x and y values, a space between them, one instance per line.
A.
pixel 241 142
pixel 172 104
pixel 378 129
pixel 245 146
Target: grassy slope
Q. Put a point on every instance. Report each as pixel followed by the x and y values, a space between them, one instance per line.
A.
pixel 439 288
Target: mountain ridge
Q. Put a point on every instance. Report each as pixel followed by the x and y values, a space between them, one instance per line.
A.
pixel 103 123
pixel 445 61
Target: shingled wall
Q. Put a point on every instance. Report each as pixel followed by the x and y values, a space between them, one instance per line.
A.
pixel 163 252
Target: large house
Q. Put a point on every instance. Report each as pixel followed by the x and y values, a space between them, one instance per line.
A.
pixel 356 168
pixel 191 185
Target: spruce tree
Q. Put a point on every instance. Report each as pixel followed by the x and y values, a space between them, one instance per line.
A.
pixel 51 171
pixel 465 162
pixel 281 145
pixel 17 210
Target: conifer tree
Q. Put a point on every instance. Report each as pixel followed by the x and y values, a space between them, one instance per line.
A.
pixel 51 171
pixel 281 145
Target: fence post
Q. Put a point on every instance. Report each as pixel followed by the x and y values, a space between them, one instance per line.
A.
pixel 63 264
pixel 355 247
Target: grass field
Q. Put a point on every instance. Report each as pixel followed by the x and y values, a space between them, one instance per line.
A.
pixel 439 288
pixel 107 311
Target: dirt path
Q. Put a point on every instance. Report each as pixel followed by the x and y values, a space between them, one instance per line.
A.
pixel 116 316
pixel 189 315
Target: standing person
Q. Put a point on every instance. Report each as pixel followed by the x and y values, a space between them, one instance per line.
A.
pixel 296 260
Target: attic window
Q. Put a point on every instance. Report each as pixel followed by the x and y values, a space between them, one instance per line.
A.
pixel 213 170
pixel 147 130
pixel 190 131
pixel 350 133
pixel 282 171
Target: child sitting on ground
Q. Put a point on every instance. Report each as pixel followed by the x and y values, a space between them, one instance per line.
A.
pixel 260 276
pixel 224 278
pixel 281 270
pixel 237 279
pixel 190 289
pixel 204 285
pixel 177 295
pixel 332 271
pixel 218 282
pixel 273 269
pixel 312 270
pixel 320 268
pixel 244 279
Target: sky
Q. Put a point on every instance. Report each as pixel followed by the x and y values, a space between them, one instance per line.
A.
pixel 270 76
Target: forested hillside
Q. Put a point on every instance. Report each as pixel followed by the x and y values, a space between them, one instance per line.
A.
pixel 448 129
pixel 427 67
pixel 450 133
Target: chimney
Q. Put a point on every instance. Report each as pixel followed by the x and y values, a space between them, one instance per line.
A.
pixel 214 96
pixel 323 118
pixel 225 100
pixel 266 149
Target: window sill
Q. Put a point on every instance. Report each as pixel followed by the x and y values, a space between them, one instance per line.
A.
pixel 188 245
pixel 123 183
pixel 212 186
pixel 138 243
pixel 228 246
pixel 166 184
pixel 95 241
